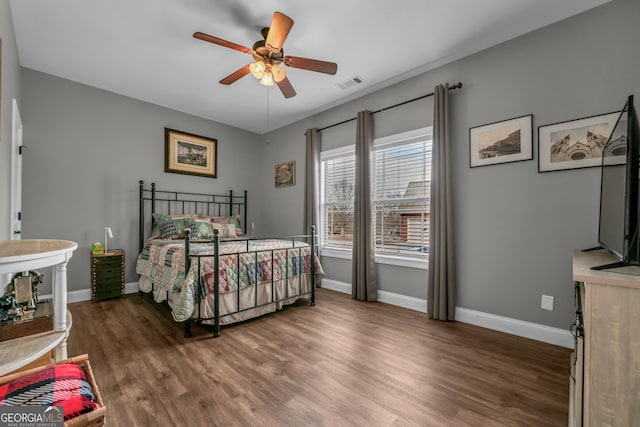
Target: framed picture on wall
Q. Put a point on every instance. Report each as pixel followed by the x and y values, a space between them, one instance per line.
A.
pixel 501 142
pixel 285 174
pixel 574 144
pixel 190 154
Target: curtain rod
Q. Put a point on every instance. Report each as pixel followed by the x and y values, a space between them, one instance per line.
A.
pixel 455 86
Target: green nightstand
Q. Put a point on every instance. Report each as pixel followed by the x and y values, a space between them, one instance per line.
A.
pixel 107 275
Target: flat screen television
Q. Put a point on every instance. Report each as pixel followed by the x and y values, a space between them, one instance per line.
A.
pixel 619 191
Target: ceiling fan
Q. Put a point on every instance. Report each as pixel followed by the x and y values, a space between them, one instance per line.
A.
pixel 268 56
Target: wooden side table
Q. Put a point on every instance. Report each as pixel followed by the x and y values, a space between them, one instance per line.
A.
pixel 107 275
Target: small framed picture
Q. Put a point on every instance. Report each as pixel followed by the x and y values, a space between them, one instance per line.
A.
pixel 501 142
pixel 285 174
pixel 190 154
pixel 574 144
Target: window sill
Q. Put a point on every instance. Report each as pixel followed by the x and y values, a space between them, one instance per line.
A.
pixel 410 262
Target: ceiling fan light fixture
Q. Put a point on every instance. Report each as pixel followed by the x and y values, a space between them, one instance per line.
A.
pixel 267 79
pixel 268 54
pixel 278 72
pixel 257 69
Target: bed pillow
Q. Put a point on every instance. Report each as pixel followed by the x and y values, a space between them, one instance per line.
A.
pixel 225 231
pixel 175 228
pixel 160 218
pixel 235 220
pixel 202 230
pixel 168 230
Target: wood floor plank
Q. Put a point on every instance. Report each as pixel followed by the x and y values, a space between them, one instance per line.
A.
pixel 340 363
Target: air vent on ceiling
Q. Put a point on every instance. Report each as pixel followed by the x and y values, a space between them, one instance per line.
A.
pixel 355 80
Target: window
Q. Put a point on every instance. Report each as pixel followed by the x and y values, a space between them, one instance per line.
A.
pixel 336 197
pixel 401 173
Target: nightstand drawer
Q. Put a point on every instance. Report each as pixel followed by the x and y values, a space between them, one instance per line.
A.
pixel 104 293
pixel 103 279
pixel 109 287
pixel 107 272
pixel 107 263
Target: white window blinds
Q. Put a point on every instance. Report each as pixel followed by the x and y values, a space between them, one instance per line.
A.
pixel 338 180
pixel 402 173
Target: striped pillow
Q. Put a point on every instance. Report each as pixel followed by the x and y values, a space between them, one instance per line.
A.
pixel 225 230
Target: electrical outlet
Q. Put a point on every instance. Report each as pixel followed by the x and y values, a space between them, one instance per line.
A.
pixel 547 302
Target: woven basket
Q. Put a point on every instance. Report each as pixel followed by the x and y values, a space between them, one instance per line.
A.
pixel 91 419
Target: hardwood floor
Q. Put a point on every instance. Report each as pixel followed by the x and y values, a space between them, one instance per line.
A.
pixel 340 363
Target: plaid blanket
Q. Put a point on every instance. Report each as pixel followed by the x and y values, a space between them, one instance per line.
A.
pixel 61 385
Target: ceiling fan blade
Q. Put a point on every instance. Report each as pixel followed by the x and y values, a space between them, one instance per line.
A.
pixel 280 26
pixel 221 42
pixel 285 87
pixel 311 64
pixel 233 77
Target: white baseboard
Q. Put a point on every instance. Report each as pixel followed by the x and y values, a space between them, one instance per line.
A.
pixel 412 303
pixel 521 328
pixel 556 336
pixel 85 294
pixel 335 285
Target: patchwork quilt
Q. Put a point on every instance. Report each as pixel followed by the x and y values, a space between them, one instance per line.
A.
pixel 242 263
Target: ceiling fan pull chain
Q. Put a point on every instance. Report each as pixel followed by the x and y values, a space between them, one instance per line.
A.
pixel 267 87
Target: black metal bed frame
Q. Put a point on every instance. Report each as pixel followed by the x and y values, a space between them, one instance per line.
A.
pixel 179 202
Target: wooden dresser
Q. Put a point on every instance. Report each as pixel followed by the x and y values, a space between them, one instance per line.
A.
pixel 610 374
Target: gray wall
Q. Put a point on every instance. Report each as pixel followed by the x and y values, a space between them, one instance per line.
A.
pixel 87 150
pixel 515 228
pixel 10 90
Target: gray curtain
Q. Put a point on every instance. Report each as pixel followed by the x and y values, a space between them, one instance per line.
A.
pixel 441 302
pixel 312 180
pixel 363 273
pixel 312 183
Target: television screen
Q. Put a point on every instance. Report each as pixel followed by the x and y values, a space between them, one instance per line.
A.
pixel 619 228
pixel 613 200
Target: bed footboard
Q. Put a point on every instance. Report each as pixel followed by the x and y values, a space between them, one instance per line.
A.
pixel 297 247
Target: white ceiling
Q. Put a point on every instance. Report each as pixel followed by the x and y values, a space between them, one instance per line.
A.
pixel 144 48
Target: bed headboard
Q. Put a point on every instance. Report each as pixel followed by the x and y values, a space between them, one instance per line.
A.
pixel 167 202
